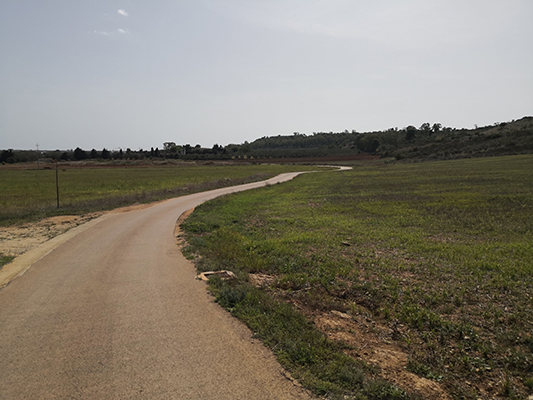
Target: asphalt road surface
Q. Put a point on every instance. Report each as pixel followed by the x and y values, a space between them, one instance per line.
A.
pixel 115 312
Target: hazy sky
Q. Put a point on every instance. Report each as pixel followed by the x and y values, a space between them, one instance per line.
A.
pixel 132 73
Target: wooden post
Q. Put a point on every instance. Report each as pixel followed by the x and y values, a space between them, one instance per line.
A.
pixel 57 186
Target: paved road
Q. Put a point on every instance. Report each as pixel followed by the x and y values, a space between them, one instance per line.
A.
pixel 115 312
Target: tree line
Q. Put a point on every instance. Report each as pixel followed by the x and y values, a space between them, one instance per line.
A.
pixel 428 141
pixel 169 150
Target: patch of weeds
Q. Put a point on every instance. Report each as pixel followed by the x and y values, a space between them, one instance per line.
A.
pixel 423 370
pixel 294 340
pixel 423 319
pixel 5 260
pixel 507 388
pixel 382 390
pixel 318 362
pixel 529 382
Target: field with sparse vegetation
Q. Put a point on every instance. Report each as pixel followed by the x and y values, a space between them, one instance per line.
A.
pixel 338 271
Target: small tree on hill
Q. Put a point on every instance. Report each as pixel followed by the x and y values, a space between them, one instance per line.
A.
pixel 410 133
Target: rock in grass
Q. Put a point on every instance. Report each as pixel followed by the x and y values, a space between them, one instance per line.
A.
pixel 205 276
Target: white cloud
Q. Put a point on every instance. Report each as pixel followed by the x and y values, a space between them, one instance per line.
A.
pixel 102 33
pixel 122 31
pixel 123 12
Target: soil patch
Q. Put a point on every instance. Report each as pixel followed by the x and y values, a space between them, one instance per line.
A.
pixel 19 239
pixel 368 341
pixel 177 230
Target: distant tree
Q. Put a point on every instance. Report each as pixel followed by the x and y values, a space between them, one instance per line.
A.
pixel 7 156
pixel 410 133
pixel 367 143
pixel 64 156
pixel 106 154
pixel 79 154
pixel 437 127
pixel 94 154
pixel 245 147
pixel 374 146
pixel 156 152
pixel 167 146
pixel 426 128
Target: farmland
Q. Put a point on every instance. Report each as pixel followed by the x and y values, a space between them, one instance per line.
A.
pixel 30 194
pixel 431 262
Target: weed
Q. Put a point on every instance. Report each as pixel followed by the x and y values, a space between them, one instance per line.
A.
pixel 529 382
pixel 5 260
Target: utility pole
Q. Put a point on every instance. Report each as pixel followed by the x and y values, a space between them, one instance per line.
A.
pixel 57 185
pixel 38 156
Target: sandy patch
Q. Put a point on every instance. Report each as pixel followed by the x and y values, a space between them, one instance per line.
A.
pixel 28 242
pixel 19 239
pixel 178 233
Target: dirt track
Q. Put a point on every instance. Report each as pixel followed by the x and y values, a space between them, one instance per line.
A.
pixel 115 312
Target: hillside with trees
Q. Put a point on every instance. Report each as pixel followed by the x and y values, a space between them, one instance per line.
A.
pixel 427 142
pixel 430 141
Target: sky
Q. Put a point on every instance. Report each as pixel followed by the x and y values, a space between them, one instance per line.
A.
pixel 135 74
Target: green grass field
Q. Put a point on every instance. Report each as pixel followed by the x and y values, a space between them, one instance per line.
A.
pixel 31 194
pixel 440 253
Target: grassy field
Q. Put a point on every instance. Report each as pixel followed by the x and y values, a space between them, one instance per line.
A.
pixel 31 194
pixel 435 259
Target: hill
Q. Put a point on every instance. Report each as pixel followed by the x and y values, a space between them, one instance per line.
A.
pixel 428 142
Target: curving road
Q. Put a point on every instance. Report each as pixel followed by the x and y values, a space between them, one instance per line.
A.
pixel 115 312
